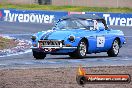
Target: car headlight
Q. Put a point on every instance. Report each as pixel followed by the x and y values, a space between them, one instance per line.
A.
pixel 33 38
pixel 71 38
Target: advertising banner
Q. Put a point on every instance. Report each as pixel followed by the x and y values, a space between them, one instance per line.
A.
pixel 31 16
pixel 121 19
pixel 38 16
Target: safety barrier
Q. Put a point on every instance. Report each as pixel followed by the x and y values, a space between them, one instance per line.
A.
pixel 121 19
pixel 31 16
pixel 35 16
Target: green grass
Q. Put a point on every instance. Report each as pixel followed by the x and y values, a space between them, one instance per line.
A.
pixel 65 8
pixel 7 43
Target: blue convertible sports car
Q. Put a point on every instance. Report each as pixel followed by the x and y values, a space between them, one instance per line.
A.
pixel 77 35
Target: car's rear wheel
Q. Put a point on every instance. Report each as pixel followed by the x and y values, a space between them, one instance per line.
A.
pixel 81 50
pixel 114 51
pixel 38 55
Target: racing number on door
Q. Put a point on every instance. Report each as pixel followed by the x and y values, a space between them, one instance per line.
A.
pixel 100 41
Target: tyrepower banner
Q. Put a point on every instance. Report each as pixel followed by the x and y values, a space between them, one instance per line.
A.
pixel 121 19
pixel 30 16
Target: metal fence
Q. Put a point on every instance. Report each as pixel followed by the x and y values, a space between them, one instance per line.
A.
pixel 19 1
pixel 94 3
pixel 89 3
pixel 41 2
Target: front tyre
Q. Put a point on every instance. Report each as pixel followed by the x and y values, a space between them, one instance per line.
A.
pixel 81 50
pixel 38 55
pixel 113 52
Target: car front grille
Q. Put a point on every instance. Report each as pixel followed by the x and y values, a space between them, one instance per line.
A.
pixel 50 43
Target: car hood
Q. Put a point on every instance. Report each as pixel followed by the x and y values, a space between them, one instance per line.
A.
pixel 59 34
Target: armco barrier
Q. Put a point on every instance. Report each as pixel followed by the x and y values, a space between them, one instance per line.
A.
pixel 12 15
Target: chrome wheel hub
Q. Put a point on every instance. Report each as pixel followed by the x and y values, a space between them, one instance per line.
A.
pixel 83 49
pixel 116 47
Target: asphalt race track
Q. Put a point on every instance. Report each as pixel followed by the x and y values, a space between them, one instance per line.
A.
pixel 26 60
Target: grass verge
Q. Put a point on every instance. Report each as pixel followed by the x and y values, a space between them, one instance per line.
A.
pixel 65 8
pixel 7 43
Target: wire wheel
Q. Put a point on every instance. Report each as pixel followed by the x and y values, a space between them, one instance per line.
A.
pixel 81 50
pixel 113 52
pixel 116 47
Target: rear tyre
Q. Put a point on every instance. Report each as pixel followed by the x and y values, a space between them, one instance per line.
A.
pixel 81 50
pixel 38 55
pixel 114 51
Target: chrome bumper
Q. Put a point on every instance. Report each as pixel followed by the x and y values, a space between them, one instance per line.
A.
pixel 54 48
pixel 51 44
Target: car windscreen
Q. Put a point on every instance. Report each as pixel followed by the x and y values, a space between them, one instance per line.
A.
pixel 75 24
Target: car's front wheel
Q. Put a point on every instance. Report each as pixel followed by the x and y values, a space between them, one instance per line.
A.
pixel 38 55
pixel 113 52
pixel 81 50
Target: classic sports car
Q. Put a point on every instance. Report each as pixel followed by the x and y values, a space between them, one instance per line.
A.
pixel 77 35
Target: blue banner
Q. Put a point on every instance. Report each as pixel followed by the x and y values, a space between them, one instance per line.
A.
pixel 121 19
pixel 32 16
